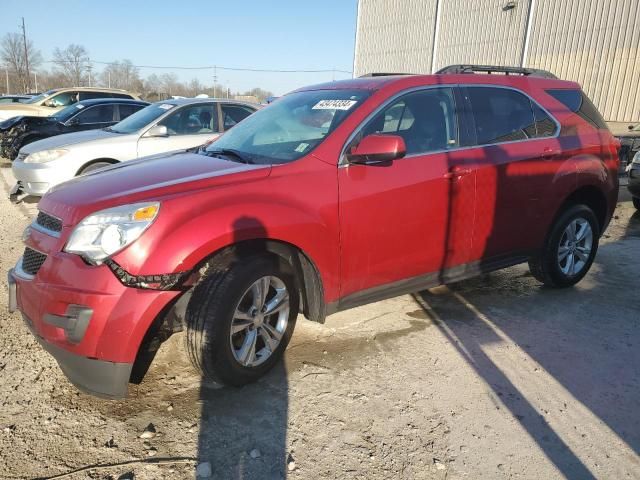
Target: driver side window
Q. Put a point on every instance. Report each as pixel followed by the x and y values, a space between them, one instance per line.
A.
pixel 426 120
pixel 192 120
pixel 64 99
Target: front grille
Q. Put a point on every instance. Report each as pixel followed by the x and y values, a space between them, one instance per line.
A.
pixel 49 222
pixel 32 261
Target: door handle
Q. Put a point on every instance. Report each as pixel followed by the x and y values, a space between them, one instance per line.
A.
pixel 457 173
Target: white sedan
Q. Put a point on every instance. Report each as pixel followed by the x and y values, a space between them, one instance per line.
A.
pixel 167 126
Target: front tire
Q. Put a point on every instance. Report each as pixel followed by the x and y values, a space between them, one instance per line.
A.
pixel 240 319
pixel 569 248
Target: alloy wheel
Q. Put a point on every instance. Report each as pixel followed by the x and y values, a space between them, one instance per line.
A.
pixel 259 321
pixel 575 247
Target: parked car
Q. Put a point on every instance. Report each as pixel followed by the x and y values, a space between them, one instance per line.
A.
pixel 633 171
pixel 5 99
pixel 84 115
pixel 630 144
pixel 50 102
pixel 334 196
pixel 158 128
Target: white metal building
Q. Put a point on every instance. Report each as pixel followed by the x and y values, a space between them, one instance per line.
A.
pixel 593 42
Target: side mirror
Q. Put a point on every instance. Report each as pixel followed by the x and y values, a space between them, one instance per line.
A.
pixel 376 148
pixel 49 103
pixel 157 131
pixel 73 121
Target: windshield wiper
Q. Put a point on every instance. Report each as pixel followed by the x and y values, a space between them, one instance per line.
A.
pixel 229 152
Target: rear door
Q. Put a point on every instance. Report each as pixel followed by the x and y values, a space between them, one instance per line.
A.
pixel 413 216
pixel 187 127
pixel 514 153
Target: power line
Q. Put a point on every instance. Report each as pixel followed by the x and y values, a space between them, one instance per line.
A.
pixel 214 67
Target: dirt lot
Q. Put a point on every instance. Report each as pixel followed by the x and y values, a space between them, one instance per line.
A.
pixel 490 378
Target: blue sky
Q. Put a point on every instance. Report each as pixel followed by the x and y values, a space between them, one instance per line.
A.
pixel 287 34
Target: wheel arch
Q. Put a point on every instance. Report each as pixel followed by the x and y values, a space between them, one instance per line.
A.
pixel 591 196
pixel 172 318
pixel 111 161
pixel 306 272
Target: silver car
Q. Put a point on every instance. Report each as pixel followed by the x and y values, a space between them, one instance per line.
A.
pixel 166 126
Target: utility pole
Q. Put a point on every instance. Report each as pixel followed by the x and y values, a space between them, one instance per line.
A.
pixel 215 80
pixel 35 76
pixel 89 67
pixel 26 56
pixel 6 72
pixel 109 78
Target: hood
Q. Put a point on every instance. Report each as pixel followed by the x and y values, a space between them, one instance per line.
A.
pixel 67 139
pixel 149 178
pixel 15 109
pixel 13 121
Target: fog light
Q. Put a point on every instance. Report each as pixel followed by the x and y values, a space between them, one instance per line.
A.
pixel 74 322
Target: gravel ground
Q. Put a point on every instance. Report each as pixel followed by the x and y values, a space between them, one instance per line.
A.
pixel 494 377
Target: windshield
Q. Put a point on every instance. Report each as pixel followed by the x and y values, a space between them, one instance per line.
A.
pixel 67 112
pixel 142 118
pixel 42 96
pixel 290 127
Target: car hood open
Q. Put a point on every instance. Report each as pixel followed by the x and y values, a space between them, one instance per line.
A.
pixel 148 178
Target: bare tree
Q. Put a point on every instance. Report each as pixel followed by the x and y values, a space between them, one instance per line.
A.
pixel 12 53
pixel 73 63
pixel 122 75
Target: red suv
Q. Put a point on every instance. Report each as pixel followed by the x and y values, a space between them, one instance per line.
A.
pixel 331 197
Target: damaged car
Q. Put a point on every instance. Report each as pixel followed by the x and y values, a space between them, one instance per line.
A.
pixel 334 196
pixel 17 132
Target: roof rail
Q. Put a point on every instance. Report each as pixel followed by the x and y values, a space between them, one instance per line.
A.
pixel 382 74
pixel 533 72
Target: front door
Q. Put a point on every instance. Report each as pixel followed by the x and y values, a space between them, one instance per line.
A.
pixel 187 127
pixel 415 215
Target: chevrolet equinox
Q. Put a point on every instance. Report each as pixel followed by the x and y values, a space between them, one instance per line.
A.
pixel 333 196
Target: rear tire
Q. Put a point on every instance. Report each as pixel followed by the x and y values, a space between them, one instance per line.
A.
pixel 569 248
pixel 228 301
pixel 636 202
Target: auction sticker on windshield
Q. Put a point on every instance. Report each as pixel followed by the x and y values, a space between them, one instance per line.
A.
pixel 334 104
pixel 166 106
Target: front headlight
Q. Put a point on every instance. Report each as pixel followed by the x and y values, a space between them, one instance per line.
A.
pixel 106 232
pixel 44 156
pixel 636 158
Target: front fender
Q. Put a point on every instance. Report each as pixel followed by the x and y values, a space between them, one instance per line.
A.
pixel 295 205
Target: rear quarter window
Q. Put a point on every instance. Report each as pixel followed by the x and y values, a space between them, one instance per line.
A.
pixel 577 102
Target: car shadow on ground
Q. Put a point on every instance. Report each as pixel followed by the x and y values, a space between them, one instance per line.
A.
pixel 585 340
pixel 243 431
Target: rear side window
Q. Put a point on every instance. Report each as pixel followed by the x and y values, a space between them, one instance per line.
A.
pixel 126 110
pixel 233 114
pixel 93 95
pixel 545 126
pixel 120 95
pixel 501 115
pixel 578 102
